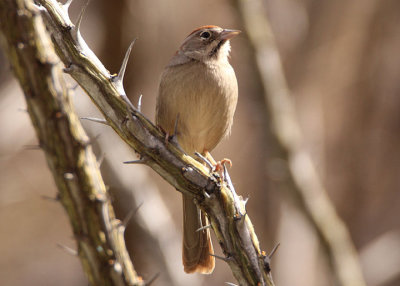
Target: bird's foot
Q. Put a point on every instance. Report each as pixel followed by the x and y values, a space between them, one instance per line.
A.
pixel 168 138
pixel 217 166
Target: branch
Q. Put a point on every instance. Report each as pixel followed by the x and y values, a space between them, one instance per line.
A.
pixel 308 189
pixel 225 209
pixel 99 235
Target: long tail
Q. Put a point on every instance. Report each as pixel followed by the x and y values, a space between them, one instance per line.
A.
pixel 197 246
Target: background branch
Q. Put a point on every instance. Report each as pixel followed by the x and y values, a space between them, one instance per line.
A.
pixel 99 235
pixel 306 186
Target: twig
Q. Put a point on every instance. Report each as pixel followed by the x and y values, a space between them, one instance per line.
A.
pixel 68 250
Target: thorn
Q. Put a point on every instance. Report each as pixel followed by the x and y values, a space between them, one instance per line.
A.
pixel 96 138
pixel 203 228
pixel 151 280
pixel 68 249
pixel 140 161
pixel 97 120
pixel 121 73
pixel 225 172
pixel 138 207
pixel 205 160
pixel 274 250
pixel 101 159
pixel 130 215
pixel 52 199
pixel 79 21
pixel 20 109
pixel 228 179
pixel 32 147
pixel 206 195
pixel 118 80
pixel 67 4
pixel 139 104
pixel 226 259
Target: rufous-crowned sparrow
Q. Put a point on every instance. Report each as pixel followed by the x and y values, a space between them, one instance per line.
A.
pixel 198 89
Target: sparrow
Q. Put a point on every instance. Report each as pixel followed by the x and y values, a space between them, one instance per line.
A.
pixel 196 102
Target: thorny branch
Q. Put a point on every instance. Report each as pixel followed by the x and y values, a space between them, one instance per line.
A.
pixel 99 235
pixel 224 207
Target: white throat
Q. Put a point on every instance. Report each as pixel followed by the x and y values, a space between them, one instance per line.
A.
pixel 182 57
pixel 224 51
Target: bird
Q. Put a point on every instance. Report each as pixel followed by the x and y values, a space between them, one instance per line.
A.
pixel 196 101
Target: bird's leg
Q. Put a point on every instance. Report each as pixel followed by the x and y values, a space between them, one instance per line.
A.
pixel 173 138
pixel 210 158
pixel 166 136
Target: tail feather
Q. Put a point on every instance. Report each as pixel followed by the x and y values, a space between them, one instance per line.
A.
pixel 197 245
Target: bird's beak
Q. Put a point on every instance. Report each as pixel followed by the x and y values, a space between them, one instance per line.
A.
pixel 228 34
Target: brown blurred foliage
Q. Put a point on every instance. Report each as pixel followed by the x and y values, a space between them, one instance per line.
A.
pixel 342 63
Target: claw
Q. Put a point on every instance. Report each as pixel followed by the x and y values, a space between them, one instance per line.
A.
pixel 226 160
pixel 220 167
pixel 215 166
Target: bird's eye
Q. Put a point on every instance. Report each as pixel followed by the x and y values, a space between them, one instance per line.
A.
pixel 205 35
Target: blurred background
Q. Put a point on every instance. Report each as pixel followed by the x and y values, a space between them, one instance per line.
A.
pixel 342 63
